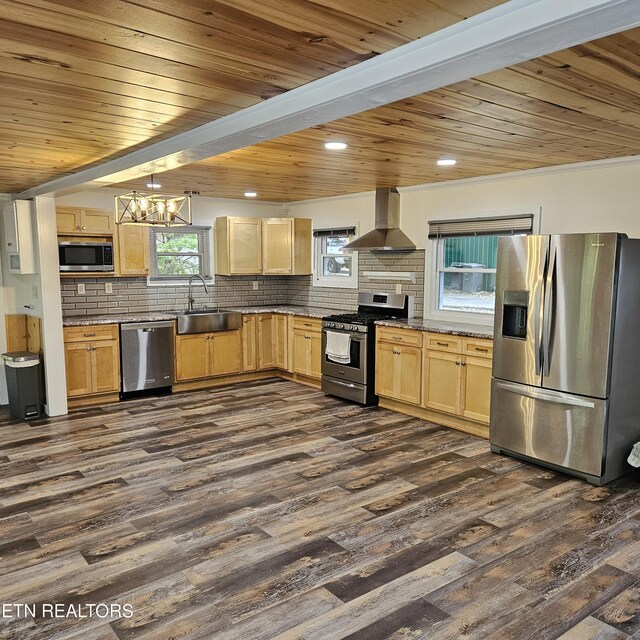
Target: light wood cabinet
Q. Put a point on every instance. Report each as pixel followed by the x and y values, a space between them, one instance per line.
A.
pixel 442 376
pixel 238 246
pixel 307 347
pixel 399 365
pixel 273 246
pixel 456 382
pixel 249 345
pixel 264 342
pixel 286 246
pixel 81 221
pixel 92 359
pixel 206 355
pixel 281 341
pixel 133 250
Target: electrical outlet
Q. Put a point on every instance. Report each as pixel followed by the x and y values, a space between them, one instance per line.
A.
pixel 398 288
pixel 108 287
pixel 255 285
pixel 34 291
pixel 81 289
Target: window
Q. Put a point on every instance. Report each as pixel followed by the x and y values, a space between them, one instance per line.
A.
pixel 179 252
pixel 464 252
pixel 332 266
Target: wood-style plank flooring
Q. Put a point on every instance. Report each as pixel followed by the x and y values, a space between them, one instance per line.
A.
pixel 268 510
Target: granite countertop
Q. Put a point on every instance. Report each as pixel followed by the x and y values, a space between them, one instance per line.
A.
pixel 115 318
pixel 435 326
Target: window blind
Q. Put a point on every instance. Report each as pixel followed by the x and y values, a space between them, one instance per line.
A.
pixel 325 233
pixel 499 226
pixel 204 251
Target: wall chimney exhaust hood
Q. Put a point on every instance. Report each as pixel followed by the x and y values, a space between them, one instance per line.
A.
pixel 387 235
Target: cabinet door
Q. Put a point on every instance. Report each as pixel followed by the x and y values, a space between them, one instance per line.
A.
pixel 133 249
pixel 97 222
pixel 476 389
pixel 266 341
pixel 443 373
pixel 277 245
pixel 301 352
pixel 225 349
pixel 68 220
pixel 315 355
pixel 192 356
pixel 77 359
pixel 385 357
pixel 245 253
pixel 249 356
pixel 105 363
pixel 11 227
pixel 281 341
pixel 399 372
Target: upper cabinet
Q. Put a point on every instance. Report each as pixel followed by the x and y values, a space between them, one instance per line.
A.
pixel 76 221
pixel 19 237
pixel 238 246
pixel 133 250
pixel 275 246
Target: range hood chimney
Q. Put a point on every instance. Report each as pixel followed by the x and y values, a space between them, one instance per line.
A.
pixel 387 235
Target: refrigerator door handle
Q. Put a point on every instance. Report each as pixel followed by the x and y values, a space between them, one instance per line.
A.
pixel 548 311
pixel 537 330
pixel 556 397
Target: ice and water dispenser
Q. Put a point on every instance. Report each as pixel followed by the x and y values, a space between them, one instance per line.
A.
pixel 515 306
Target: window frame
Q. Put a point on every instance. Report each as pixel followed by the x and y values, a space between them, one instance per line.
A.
pixel 205 245
pixel 339 282
pixel 433 261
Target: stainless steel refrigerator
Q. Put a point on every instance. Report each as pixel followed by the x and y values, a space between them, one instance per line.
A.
pixel 565 391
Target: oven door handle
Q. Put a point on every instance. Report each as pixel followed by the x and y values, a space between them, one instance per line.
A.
pixel 358 337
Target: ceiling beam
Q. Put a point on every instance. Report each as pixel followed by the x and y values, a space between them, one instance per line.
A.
pixel 513 32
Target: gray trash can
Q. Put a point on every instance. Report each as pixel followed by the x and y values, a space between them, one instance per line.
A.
pixel 22 370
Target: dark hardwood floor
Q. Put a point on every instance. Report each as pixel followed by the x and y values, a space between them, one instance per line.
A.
pixel 268 510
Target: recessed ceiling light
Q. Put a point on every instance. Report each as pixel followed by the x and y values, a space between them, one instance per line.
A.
pixel 446 162
pixel 335 146
pixel 153 185
pixel 250 194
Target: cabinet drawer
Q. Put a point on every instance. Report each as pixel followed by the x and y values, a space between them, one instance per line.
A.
pixel 443 342
pixel 91 333
pixel 477 347
pixel 409 337
pixel 307 324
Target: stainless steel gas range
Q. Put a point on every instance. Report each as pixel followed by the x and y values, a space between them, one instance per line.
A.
pixel 349 343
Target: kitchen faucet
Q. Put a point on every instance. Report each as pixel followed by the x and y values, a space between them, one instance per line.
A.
pixel 190 299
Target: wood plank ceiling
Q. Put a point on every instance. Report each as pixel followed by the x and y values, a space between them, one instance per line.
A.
pixel 86 82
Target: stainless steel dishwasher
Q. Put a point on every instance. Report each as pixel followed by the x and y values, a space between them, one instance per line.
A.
pixel 146 358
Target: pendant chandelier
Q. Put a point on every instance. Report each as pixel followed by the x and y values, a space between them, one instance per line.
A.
pixel 154 208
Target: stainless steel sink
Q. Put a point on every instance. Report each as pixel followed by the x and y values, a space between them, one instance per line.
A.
pixel 206 320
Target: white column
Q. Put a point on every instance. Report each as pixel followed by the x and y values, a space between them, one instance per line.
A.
pixel 44 208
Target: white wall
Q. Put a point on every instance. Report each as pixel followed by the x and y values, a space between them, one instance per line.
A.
pixel 204 210
pixel 599 196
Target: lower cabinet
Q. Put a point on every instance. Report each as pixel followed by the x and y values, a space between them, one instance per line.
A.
pixel 457 376
pixel 307 347
pixel 204 355
pixel 92 360
pixel 265 339
pixel 398 367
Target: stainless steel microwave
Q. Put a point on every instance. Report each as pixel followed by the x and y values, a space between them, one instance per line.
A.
pixel 85 256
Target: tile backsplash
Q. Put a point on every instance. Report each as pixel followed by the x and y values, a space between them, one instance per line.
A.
pixel 133 294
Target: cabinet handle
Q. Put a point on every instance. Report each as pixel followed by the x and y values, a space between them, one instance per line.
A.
pixel 308 324
pixel 88 349
pixel 397 352
pixel 458 362
pixel 10 244
pixel 89 335
pixel 78 227
pixel 482 350
pixel 442 344
pixel 93 348
pixel 83 228
pixel 463 363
